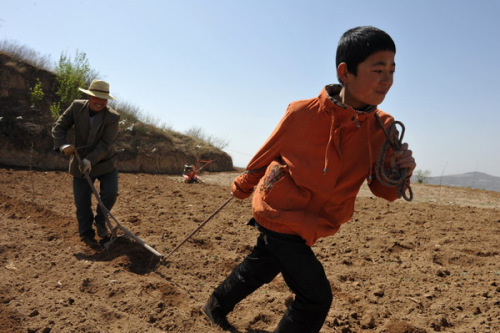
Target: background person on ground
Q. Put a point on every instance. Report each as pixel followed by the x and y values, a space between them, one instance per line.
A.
pixel 95 132
pixel 306 178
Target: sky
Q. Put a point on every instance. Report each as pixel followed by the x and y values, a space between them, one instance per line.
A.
pixel 232 67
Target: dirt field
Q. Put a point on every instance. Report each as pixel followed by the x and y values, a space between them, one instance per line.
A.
pixel 431 265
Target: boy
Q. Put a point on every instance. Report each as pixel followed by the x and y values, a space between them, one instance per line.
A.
pixel 306 178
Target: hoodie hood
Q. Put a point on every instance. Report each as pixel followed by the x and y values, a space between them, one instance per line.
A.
pixel 341 115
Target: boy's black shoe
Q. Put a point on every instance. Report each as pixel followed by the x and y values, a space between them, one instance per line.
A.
pixel 216 316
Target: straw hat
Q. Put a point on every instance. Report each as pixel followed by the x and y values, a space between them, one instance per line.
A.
pixel 99 89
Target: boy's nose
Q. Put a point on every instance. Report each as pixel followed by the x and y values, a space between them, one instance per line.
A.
pixel 387 78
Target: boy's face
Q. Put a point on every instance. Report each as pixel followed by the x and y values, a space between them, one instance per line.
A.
pixel 372 82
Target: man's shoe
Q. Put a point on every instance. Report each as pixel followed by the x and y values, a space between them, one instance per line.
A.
pixel 217 318
pixel 90 241
pixel 102 231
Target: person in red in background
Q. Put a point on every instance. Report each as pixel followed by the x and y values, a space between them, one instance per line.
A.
pixel 96 131
pixel 189 174
pixel 306 177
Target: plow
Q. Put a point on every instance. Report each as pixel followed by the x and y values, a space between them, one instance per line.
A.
pixel 107 214
pixel 114 229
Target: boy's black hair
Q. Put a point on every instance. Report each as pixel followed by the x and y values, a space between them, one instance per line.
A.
pixel 359 43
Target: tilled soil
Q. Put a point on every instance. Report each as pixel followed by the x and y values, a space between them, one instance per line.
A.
pixel 431 265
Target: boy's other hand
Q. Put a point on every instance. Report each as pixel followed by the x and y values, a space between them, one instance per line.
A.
pixel 404 159
pixel 237 191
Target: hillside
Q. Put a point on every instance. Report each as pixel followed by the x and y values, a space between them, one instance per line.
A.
pixel 25 139
pixel 431 265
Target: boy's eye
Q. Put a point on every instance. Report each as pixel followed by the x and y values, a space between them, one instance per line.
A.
pixel 379 71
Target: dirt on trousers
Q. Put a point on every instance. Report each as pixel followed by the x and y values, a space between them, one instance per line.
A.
pixel 431 265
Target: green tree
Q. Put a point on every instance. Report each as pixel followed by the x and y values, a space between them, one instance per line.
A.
pixel 36 96
pixel 71 74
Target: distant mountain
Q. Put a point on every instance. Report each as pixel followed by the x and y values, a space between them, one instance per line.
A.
pixel 478 180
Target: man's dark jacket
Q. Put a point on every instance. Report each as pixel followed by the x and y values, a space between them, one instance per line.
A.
pixel 96 144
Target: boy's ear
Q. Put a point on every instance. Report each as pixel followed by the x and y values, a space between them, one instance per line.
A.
pixel 342 72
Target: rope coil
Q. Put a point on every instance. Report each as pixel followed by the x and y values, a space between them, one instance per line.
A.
pixel 395 176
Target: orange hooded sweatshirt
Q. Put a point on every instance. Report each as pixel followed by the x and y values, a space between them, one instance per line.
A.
pixel 308 173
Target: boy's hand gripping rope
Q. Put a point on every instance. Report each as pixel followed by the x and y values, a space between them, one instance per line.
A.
pixel 395 176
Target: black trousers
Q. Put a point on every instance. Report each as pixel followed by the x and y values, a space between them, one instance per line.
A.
pixel 82 193
pixel 277 253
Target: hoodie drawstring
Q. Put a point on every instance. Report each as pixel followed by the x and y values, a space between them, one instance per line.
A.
pixel 370 155
pixel 325 169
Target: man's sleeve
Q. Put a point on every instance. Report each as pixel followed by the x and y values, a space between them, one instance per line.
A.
pixel 61 127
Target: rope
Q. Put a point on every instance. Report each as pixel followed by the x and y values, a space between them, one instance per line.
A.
pixel 395 176
pixel 198 228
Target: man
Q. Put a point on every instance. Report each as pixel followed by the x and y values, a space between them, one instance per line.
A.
pixel 95 132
